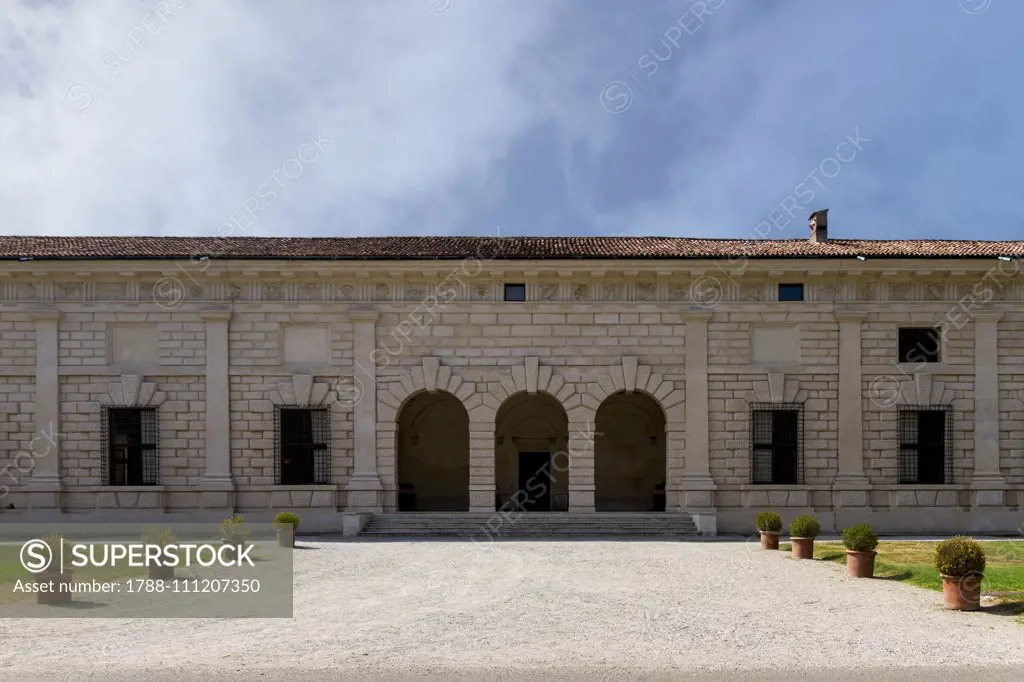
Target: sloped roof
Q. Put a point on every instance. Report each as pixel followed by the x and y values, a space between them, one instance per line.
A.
pixel 510 248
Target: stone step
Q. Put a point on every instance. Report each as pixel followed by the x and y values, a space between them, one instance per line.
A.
pixel 468 524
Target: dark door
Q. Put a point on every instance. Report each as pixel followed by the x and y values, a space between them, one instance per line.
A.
pixel 535 480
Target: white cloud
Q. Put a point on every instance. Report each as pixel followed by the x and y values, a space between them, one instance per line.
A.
pixel 186 125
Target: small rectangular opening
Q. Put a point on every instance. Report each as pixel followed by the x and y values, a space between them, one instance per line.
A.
pixel 919 344
pixel 791 292
pixel 515 292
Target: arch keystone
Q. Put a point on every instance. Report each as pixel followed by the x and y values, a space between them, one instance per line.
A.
pixel 629 373
pixel 131 390
pixel 430 367
pixel 530 374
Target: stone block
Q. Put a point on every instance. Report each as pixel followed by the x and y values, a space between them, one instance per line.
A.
pixel 214 500
pixel 987 498
pixel 852 498
pixel 757 498
pixel 322 498
pixel 798 498
pixel 905 498
pixel 698 498
pixel 353 524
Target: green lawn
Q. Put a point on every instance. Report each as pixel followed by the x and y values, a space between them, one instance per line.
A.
pixel 11 571
pixel 913 563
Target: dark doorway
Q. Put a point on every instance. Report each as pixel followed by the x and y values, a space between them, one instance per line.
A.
pixel 535 480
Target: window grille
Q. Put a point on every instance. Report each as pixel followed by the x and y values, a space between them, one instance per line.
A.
pixel 302 446
pixel 131 437
pixel 776 443
pixel 926 440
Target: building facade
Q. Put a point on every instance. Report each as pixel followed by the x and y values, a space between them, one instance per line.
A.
pixel 158 378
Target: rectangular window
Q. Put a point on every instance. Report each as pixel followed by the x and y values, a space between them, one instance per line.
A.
pixel 791 292
pixel 919 344
pixel 776 448
pixel 131 439
pixel 515 292
pixel 926 433
pixel 303 447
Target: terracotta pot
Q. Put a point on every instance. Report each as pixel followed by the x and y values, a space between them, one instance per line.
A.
pixel 160 572
pixel 769 539
pixel 285 538
pixel 54 593
pixel 803 548
pixel 860 564
pixel 962 592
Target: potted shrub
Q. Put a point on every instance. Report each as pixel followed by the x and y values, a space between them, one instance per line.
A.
pixel 860 542
pixel 233 533
pixel 287 524
pixel 961 563
pixel 802 532
pixel 160 537
pixel 56 584
pixel 769 525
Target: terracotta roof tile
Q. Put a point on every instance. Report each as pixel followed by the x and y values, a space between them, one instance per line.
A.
pixel 512 248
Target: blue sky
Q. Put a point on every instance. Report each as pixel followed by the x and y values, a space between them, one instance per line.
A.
pixel 539 117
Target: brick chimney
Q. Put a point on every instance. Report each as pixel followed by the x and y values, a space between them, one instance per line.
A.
pixel 818 222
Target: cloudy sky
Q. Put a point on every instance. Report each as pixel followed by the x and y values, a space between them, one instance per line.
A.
pixel 660 117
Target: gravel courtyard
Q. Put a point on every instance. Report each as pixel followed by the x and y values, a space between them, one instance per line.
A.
pixel 612 610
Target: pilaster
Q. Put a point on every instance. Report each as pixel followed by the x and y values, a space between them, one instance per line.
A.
pixel 216 484
pixel 364 486
pixel 987 482
pixel 851 485
pixel 580 459
pixel 697 486
pixel 43 488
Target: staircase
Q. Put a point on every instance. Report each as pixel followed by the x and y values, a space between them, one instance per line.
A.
pixel 526 525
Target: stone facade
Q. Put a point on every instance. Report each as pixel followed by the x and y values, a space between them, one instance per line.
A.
pixel 217 349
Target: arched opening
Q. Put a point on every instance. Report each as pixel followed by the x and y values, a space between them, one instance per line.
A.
pixel 433 454
pixel 530 454
pixel 629 454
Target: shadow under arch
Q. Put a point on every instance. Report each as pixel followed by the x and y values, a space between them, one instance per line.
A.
pixel 630 455
pixel 531 438
pixel 432 463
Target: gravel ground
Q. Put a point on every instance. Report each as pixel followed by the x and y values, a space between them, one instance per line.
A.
pixel 543 610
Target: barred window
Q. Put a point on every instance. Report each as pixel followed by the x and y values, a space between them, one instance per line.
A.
pixel 131 438
pixel 776 443
pixel 303 452
pixel 926 437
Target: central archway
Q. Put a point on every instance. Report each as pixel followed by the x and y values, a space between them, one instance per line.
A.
pixel 629 454
pixel 433 454
pixel 530 460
